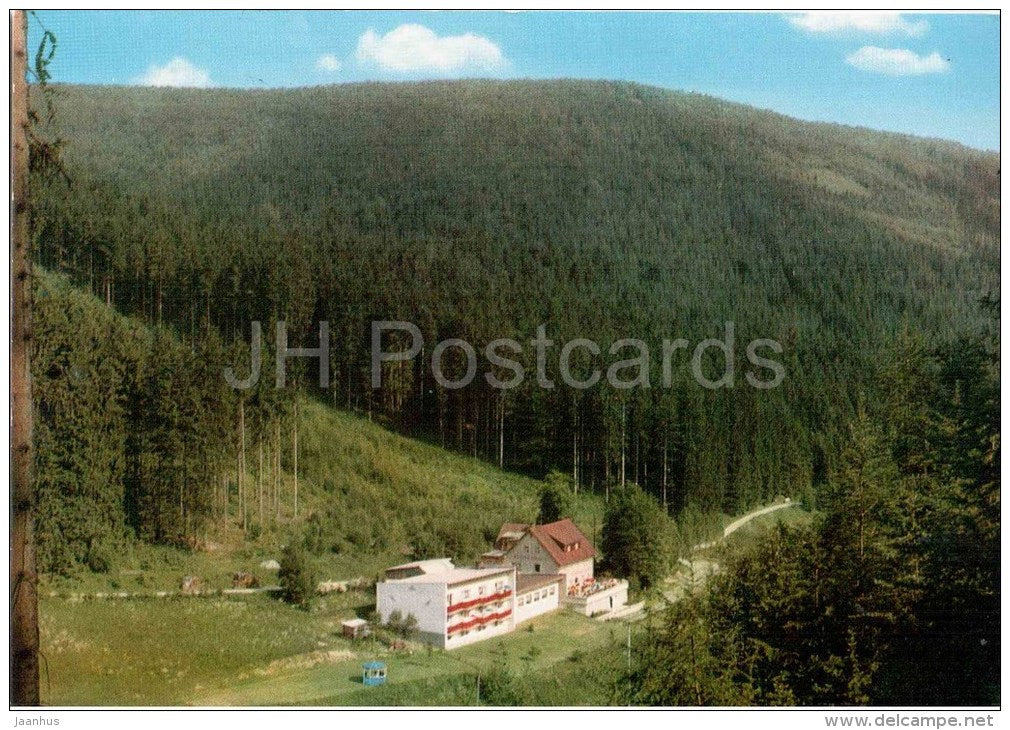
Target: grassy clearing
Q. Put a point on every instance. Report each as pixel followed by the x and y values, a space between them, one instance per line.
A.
pixel 423 676
pixel 254 650
pixel 372 493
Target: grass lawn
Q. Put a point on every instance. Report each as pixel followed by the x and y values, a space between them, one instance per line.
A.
pixel 254 650
pixel 422 676
pixel 376 492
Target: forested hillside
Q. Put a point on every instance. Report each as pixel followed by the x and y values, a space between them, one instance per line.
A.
pixel 481 210
pixel 136 439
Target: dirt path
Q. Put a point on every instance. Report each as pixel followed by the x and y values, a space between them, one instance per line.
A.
pixel 329 586
pixel 737 524
pixel 695 571
pixel 740 522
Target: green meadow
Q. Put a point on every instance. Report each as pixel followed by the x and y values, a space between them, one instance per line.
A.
pixel 256 650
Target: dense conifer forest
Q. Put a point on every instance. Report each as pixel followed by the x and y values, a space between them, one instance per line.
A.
pixel 480 210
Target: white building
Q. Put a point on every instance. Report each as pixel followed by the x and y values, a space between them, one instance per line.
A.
pixel 453 606
pixel 537 595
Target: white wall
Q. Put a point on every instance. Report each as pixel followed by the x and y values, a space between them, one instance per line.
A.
pixel 577 572
pixel 425 600
pixel 428 602
pixel 474 590
pixel 527 608
pixel 528 553
pixel 609 600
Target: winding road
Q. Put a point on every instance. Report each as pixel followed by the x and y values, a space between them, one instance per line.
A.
pixel 696 571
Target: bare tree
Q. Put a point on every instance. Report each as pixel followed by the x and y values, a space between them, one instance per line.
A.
pixel 24 598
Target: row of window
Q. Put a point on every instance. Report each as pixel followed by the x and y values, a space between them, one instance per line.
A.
pixel 476 611
pixel 498 588
pixel 537 595
pixel 464 632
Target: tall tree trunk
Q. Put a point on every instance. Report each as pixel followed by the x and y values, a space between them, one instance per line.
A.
pixel 666 471
pixel 294 465
pixel 607 455
pixel 259 479
pixel 575 453
pixel 277 470
pixel 623 442
pixel 241 461
pixel 23 586
pixel 501 432
pixel 159 301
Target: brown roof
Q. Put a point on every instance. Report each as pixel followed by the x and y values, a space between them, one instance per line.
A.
pixel 526 582
pixel 563 541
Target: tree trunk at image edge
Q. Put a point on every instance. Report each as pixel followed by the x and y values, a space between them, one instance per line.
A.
pixel 24 599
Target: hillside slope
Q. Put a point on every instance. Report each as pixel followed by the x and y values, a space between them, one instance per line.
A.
pixel 482 209
pixel 367 497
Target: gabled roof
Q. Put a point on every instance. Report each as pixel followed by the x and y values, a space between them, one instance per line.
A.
pixel 563 541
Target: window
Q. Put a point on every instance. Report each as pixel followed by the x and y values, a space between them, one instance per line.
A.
pixel 536 596
pixel 536 567
pixel 552 590
pixel 480 591
pixel 466 593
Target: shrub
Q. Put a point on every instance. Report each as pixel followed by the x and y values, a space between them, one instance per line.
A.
pixel 403 626
pixel 298 583
pixel 99 559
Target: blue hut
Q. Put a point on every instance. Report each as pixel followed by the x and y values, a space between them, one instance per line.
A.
pixel 373 673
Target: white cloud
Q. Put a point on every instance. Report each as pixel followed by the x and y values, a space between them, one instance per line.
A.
pixel 177 72
pixel 328 62
pixel 882 23
pixel 415 48
pixel 896 61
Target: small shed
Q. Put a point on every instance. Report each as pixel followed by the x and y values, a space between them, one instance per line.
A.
pixel 373 673
pixel 354 628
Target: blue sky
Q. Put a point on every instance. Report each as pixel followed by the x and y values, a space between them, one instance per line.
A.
pixel 932 75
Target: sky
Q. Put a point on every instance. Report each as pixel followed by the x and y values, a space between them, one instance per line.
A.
pixel 934 75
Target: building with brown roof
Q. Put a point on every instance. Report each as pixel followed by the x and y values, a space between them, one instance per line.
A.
pixel 555 548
